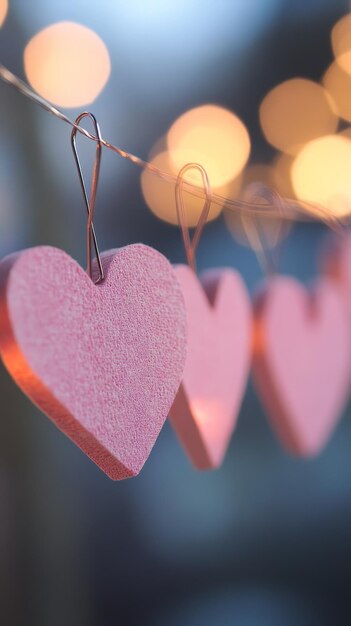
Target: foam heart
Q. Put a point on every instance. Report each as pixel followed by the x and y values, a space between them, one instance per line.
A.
pixel 104 362
pixel 301 360
pixel 205 410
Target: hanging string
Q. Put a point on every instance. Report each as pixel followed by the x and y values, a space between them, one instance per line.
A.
pixel 191 243
pixel 284 208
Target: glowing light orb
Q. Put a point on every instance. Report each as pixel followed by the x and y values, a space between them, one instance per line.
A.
pixel 67 63
pixel 295 112
pixel 159 194
pixel 4 5
pixel 341 43
pixel 321 174
pixel 282 175
pixel 212 136
pixel 338 84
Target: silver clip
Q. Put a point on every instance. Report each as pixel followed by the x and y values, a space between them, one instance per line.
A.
pixel 90 204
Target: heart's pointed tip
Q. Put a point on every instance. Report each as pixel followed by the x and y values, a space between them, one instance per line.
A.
pixel 117 473
pixel 207 466
pixel 306 450
pixel 208 457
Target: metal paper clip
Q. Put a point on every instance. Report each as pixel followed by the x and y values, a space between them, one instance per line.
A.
pixel 90 203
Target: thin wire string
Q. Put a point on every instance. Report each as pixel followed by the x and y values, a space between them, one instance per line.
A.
pixel 276 206
pixel 191 243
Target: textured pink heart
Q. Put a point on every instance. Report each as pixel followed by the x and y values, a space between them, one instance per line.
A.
pixel 105 361
pixel 206 407
pixel 301 360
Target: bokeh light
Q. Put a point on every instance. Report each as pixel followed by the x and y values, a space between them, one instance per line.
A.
pixel 321 174
pixel 67 63
pixel 4 5
pixel 295 112
pixel 282 175
pixel 212 136
pixel 159 194
pixel 338 84
pixel 341 42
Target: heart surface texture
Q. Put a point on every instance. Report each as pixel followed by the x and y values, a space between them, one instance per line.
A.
pixel 301 361
pixel 105 361
pixel 206 408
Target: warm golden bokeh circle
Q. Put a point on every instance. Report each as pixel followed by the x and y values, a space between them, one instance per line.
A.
pixel 212 136
pixel 321 174
pixel 282 175
pixel 341 42
pixel 338 84
pixel 67 63
pixel 294 112
pixel 4 5
pixel 159 194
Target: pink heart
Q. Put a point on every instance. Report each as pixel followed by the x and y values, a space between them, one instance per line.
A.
pixel 104 362
pixel 301 361
pixel 205 410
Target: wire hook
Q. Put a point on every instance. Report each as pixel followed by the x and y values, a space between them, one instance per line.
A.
pixel 89 203
pixel 190 244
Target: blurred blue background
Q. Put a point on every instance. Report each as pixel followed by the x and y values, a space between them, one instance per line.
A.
pixel 265 540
